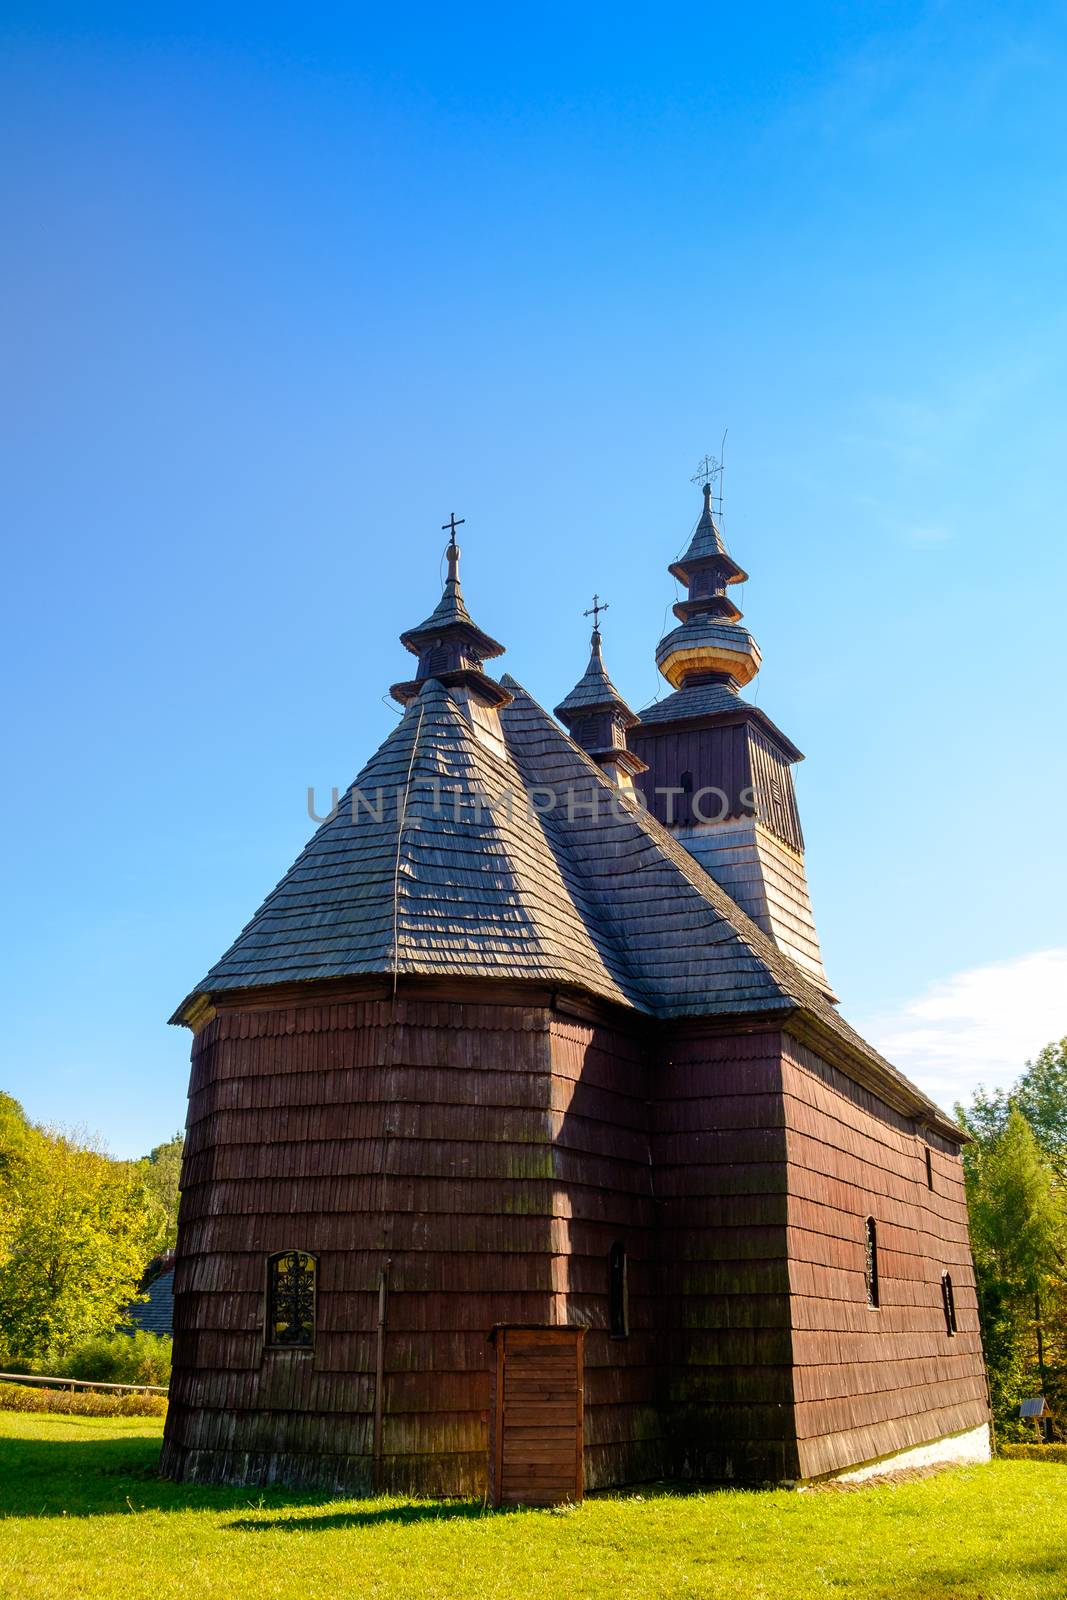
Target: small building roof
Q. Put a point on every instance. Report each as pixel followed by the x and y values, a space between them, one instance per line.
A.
pixel 156 1314
pixel 594 690
pixel 707 546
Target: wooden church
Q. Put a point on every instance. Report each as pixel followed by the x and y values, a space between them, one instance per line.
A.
pixel 527 1148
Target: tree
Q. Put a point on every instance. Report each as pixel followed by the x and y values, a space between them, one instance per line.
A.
pixel 161 1170
pixel 1040 1094
pixel 1018 1214
pixel 79 1229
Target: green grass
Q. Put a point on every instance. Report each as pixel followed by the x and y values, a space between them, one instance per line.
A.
pixel 87 1519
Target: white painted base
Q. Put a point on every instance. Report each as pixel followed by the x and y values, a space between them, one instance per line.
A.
pixel 957 1449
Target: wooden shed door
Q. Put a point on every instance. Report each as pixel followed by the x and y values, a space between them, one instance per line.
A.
pixel 536 1441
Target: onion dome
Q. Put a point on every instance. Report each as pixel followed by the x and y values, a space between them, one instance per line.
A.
pixel 597 717
pixel 710 646
pixel 450 645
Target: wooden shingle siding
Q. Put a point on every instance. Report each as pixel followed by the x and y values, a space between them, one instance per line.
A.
pixel 872 1381
pixel 491 1153
pixel 720 1180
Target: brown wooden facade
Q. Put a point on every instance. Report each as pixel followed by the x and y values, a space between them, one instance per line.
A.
pixel 477 1159
pixel 562 1086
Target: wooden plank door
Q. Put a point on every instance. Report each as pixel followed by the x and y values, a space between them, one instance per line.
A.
pixel 536 1441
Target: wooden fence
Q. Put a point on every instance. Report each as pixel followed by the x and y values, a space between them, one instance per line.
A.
pixel 82 1383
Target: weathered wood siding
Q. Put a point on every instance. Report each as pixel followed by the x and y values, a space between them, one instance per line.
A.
pixel 600 1085
pixel 869 1382
pixel 721 1189
pixel 422 1134
pixel 754 775
pixel 490 1154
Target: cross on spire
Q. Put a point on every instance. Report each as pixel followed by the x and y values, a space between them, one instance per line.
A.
pixel 594 611
pixel 451 525
pixel 708 467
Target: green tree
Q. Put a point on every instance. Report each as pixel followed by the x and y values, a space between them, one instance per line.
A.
pixel 1017 1213
pixel 1018 1221
pixel 161 1170
pixel 79 1229
pixel 1040 1094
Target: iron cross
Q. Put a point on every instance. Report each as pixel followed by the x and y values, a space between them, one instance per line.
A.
pixel 707 467
pixel 452 524
pixel 594 611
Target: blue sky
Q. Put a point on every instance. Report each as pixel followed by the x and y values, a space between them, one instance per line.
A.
pixel 284 286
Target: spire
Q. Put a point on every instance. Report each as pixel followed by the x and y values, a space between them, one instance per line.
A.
pixel 449 644
pixel 595 714
pixel 709 647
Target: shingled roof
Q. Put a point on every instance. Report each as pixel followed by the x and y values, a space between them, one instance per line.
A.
pixel 441 861
pixel 594 690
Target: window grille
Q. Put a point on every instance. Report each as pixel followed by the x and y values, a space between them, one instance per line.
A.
pixel 291 1286
pixel 870 1269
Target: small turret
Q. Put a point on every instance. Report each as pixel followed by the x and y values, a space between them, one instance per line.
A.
pixel 449 644
pixel 710 646
pixel 597 717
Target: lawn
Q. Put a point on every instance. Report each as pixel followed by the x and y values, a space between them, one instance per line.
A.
pixel 85 1517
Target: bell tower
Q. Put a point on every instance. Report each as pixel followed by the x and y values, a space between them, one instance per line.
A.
pixel 719 772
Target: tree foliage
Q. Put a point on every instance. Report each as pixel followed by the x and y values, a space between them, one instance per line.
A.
pixel 77 1231
pixel 1017 1198
pixel 161 1170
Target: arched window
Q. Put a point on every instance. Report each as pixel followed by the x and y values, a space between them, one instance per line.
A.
pixel 618 1291
pixel 870 1266
pixel 291 1285
pixel 948 1302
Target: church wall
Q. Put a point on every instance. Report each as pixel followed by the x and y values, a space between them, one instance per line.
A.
pixel 600 1084
pixel 419 1132
pixel 869 1382
pixel 720 1181
pixel 716 757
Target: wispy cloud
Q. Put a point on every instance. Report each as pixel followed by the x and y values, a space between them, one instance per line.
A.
pixel 977 1026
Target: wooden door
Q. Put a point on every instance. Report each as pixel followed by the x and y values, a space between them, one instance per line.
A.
pixel 535 1451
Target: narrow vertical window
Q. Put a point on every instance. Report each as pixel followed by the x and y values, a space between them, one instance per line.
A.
pixel 870 1267
pixel 291 1285
pixel 929 1168
pixel 618 1291
pixel 948 1302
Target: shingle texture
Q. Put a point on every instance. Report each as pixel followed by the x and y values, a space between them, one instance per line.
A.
pixel 456 855
pixel 156 1314
pixel 702 700
pixel 594 689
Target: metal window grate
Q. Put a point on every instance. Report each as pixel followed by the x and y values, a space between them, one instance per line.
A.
pixel 870 1268
pixel 291 1286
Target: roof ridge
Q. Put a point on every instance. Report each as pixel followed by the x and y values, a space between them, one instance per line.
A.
pixel 791 981
pixel 687 863
pixel 504 775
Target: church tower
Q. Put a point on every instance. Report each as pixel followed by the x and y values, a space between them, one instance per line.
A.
pixel 719 772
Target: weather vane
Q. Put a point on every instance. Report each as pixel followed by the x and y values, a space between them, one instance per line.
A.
pixel 594 611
